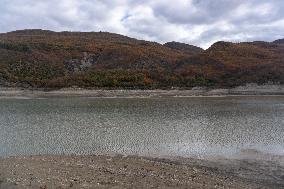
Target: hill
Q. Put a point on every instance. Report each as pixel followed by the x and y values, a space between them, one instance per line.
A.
pixel 185 48
pixel 47 59
pixel 279 41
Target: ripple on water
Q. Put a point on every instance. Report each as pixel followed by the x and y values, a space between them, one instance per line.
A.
pixel 187 127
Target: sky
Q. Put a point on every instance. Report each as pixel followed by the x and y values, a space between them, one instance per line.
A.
pixel 196 22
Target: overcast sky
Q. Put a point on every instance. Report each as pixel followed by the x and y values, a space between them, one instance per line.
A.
pixel 197 22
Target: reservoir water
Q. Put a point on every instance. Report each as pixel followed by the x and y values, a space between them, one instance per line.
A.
pixel 188 127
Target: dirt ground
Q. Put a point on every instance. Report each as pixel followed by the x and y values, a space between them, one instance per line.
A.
pixel 45 172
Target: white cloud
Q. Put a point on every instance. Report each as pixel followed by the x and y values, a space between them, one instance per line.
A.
pixel 199 22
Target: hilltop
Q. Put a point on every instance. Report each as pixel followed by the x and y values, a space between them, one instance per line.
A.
pixel 47 59
pixel 185 48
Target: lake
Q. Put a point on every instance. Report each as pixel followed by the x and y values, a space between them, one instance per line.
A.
pixel 161 127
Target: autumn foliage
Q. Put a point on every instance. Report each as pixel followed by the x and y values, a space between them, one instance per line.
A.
pixel 46 59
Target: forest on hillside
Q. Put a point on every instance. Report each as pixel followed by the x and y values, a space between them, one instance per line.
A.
pixel 47 59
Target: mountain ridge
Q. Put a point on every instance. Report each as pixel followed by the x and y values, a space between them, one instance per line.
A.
pixel 47 59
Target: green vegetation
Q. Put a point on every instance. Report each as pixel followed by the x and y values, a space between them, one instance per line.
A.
pixel 14 46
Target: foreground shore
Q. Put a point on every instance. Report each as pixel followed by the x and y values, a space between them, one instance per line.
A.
pixel 135 172
pixel 78 92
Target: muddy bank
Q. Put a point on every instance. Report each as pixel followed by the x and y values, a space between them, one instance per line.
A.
pixel 136 172
pixel 250 89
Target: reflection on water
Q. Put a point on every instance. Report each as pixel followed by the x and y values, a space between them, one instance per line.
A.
pixel 152 126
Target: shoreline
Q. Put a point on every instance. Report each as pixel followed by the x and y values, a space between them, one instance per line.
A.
pixel 100 171
pixel 248 90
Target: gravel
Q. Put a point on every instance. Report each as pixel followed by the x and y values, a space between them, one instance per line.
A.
pixel 131 172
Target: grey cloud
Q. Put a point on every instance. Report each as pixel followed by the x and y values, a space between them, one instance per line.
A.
pixel 195 11
pixel 199 22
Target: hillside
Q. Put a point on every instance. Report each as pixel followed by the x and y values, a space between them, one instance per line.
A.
pixel 185 48
pixel 46 59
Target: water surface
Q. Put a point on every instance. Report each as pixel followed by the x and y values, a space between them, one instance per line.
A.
pixel 188 127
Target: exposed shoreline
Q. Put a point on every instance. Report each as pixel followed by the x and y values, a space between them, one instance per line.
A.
pixel 136 172
pixel 248 90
